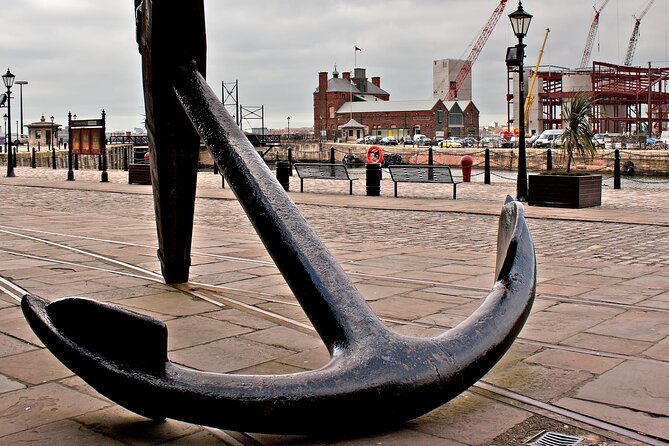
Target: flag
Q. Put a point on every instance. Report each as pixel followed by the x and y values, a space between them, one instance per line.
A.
pixel 357 49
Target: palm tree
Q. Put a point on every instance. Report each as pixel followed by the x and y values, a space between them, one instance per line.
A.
pixel 577 136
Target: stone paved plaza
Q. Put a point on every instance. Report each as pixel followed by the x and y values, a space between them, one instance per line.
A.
pixel 596 344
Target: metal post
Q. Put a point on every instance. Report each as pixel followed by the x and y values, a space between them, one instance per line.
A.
pixel 33 161
pixel 104 178
pixel 125 159
pixel 521 185
pixel 290 160
pixel 332 155
pixel 53 154
pixel 486 173
pixel 76 161
pixel 282 174
pixel 430 156
pixel 70 172
pixel 373 175
pixel 549 159
pixel 616 169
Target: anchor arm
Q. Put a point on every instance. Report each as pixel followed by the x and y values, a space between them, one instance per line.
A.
pixel 374 377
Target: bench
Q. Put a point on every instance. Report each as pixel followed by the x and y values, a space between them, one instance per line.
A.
pixel 413 173
pixel 139 174
pixel 324 171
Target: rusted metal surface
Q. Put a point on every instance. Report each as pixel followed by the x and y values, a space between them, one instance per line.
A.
pixel 375 377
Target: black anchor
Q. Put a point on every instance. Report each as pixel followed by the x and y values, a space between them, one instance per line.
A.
pixel 374 378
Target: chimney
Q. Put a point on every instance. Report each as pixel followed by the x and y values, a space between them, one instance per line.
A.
pixel 347 75
pixel 376 80
pixel 323 82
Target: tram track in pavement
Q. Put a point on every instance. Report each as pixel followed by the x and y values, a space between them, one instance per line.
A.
pixel 223 296
pixel 380 277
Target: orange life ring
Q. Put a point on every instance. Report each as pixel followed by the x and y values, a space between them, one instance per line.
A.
pixel 374 155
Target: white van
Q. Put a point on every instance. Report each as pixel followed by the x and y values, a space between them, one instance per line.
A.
pixel 548 138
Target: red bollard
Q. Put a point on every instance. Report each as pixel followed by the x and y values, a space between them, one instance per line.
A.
pixel 466 164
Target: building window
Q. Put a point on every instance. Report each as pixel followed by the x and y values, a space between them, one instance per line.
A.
pixel 456 120
pixel 332 113
pixel 440 116
pixel 38 134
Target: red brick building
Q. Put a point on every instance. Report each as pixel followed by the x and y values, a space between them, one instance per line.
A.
pixel 348 108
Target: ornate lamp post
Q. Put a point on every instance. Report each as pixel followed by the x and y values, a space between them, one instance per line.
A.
pixel 6 135
pixel 288 128
pixel 520 22
pixel 51 146
pixel 8 80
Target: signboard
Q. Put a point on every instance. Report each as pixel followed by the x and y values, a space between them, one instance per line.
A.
pixel 86 140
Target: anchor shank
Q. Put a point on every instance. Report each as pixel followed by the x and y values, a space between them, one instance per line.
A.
pixel 331 301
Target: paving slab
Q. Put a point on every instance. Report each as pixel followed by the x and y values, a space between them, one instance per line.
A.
pixel 652 397
pixel 418 268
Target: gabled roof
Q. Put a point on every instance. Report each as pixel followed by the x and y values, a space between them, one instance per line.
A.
pixel 373 89
pixel 462 104
pixel 352 124
pixel 339 85
pixel 388 106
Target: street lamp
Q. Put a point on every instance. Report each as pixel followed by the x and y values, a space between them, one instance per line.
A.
pixel 8 80
pixel 21 84
pixel 51 146
pixel 520 22
pixel 288 128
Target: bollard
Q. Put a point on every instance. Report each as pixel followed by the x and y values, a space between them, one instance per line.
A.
pixel 616 169
pixel 486 173
pixel 430 158
pixel 53 157
pixel 76 162
pixel 70 172
pixel 549 159
pixel 466 163
pixel 290 160
pixel 373 178
pixel 332 155
pixel 33 160
pixel 283 174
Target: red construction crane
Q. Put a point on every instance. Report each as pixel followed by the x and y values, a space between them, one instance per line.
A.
pixel 454 86
pixel 631 48
pixel 587 51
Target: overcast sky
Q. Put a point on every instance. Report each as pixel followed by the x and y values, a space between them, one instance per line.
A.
pixel 80 55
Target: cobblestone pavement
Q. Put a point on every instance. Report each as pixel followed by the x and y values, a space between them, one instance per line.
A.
pixel 597 342
pixel 614 242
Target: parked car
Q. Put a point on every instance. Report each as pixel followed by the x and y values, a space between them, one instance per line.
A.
pixel 388 141
pixel 407 141
pixel 505 143
pixel 451 142
pixel 370 139
pixel 421 140
pixel 468 141
pixel 548 138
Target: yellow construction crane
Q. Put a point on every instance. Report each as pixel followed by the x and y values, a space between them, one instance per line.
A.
pixel 530 97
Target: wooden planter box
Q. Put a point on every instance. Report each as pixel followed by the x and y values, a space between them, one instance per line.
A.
pixel 566 191
pixel 139 174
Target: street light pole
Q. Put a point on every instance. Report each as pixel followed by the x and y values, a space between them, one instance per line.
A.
pixel 520 22
pixel 288 128
pixel 8 80
pixel 21 84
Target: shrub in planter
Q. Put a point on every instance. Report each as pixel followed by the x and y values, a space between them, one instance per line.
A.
pixel 570 189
